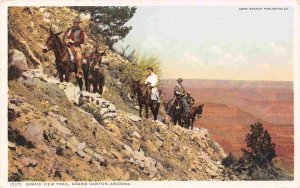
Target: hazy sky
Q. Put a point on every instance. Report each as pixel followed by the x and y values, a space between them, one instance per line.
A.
pixel 215 42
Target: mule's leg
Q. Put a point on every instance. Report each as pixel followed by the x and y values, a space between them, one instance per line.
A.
pixel 67 73
pixel 187 124
pixel 140 110
pixel 101 85
pixel 152 108
pixel 89 86
pixel 156 110
pixel 147 113
pixel 100 88
pixel 94 86
pixel 174 119
pixel 179 120
pixel 80 82
pixel 61 76
pixel 86 81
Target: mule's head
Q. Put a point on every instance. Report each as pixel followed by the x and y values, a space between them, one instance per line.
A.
pixel 51 41
pixel 199 110
pixel 134 87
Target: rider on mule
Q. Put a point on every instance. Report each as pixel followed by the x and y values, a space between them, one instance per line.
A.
pixel 95 57
pixel 152 81
pixel 179 91
pixel 189 99
pixel 74 37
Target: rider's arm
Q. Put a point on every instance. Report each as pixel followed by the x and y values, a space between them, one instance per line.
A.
pixel 174 90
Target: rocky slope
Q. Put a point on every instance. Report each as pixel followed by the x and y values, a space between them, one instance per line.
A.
pixel 56 135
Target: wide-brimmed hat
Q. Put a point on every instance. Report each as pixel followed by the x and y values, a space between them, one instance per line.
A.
pixel 77 19
pixel 179 79
pixel 188 92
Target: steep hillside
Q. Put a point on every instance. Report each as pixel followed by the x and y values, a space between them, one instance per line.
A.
pixel 56 135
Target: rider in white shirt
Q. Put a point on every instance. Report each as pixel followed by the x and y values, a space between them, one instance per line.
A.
pixel 152 80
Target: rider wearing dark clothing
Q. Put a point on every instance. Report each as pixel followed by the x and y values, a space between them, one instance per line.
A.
pixel 179 90
pixel 190 100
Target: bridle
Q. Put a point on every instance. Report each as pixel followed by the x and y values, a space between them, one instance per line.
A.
pixel 61 50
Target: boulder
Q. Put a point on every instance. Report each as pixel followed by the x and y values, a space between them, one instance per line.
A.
pixel 97 95
pixel 74 141
pixel 13 112
pixel 17 64
pixel 81 146
pixel 103 111
pixel 150 165
pixel 141 164
pixel 88 151
pixel 35 73
pixel 98 157
pixel 127 149
pixel 11 146
pixel 63 119
pixel 112 108
pixel 28 162
pixel 136 144
pixel 109 115
pixel 35 132
pixel 136 135
pixel 139 155
pixel 80 153
pixel 118 155
pixel 150 146
pixel 134 118
pixel 71 147
pixel 55 123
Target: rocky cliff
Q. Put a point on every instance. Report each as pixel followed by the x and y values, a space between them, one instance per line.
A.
pixel 56 135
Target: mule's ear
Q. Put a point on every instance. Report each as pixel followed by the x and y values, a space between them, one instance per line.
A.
pixel 51 30
pixel 202 105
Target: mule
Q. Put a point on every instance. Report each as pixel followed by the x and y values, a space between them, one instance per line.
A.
pixel 143 94
pixel 63 62
pixel 195 110
pixel 86 70
pixel 177 111
pixel 96 75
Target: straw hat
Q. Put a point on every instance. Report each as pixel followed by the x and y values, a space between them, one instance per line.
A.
pixel 179 80
pixel 77 19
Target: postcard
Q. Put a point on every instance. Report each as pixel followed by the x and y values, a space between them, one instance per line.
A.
pixel 149 94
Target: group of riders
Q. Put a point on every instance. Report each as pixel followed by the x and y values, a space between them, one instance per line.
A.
pixel 74 37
